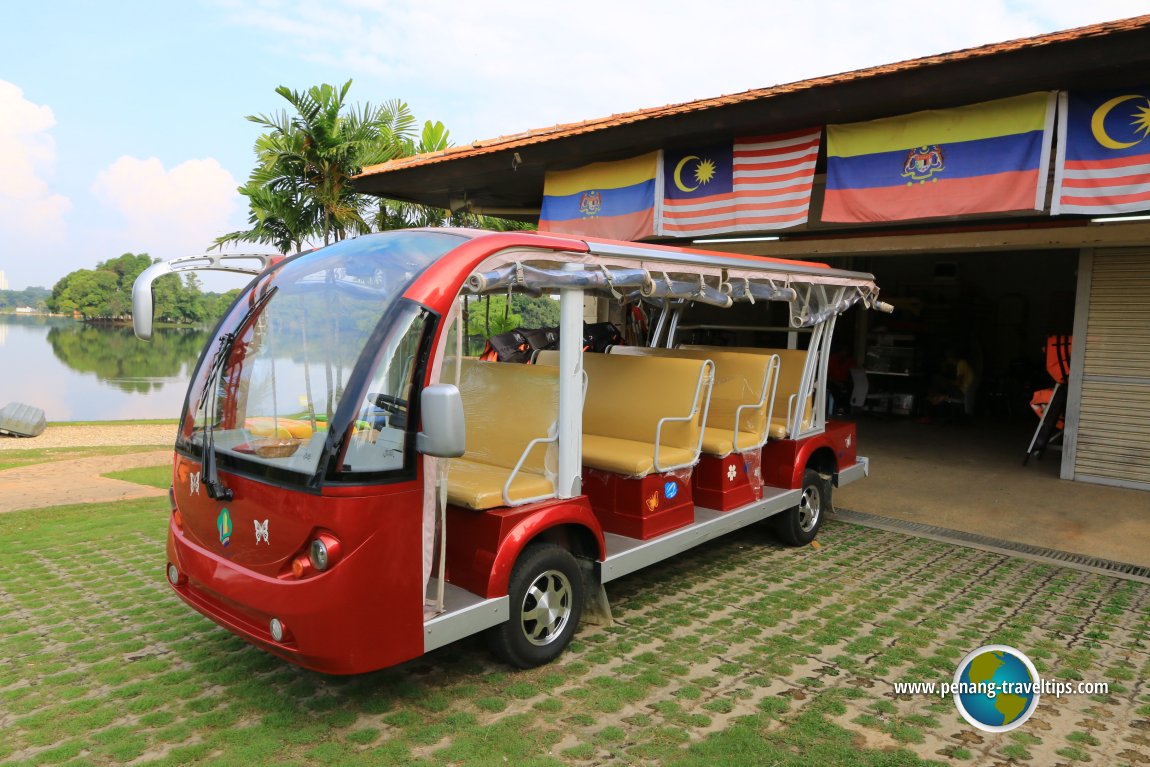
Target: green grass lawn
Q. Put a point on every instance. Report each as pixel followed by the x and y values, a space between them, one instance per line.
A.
pixel 11 459
pixel 153 476
pixel 739 653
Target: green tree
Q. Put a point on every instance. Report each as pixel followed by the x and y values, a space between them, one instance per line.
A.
pixel 490 316
pixel 35 297
pixel 301 188
pixel 542 312
pixel 311 154
pixel 88 292
pixel 282 217
pixel 221 302
pixel 106 292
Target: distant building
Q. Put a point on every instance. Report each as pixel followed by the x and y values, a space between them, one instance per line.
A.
pixel 3 280
pixel 25 309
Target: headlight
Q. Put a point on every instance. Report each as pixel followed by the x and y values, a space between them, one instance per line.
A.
pixel 323 552
pixel 318 554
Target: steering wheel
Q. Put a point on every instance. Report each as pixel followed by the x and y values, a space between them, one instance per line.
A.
pixel 388 402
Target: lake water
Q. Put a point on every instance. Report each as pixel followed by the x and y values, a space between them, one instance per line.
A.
pixel 79 372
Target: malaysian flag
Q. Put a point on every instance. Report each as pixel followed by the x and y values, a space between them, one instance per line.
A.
pixel 1103 161
pixel 750 184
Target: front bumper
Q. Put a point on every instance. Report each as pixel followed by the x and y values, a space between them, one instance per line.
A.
pixel 331 627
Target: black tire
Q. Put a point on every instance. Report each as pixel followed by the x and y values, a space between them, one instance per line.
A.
pixel 544 573
pixel 799 525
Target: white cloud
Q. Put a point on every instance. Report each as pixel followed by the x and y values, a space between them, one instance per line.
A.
pixel 503 65
pixel 29 209
pixel 168 213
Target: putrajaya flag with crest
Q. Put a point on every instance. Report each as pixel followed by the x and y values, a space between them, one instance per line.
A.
pixel 981 158
pixel 612 200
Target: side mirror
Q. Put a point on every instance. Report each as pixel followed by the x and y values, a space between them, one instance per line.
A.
pixel 444 432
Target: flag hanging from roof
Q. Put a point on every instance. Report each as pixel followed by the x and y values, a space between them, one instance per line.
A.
pixel 613 200
pixel 1103 163
pixel 981 158
pixel 750 184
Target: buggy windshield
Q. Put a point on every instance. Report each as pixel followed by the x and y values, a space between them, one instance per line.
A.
pixel 269 387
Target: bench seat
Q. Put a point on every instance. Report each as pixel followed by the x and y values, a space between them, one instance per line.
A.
pixel 740 396
pixel 480 485
pixel 790 377
pixel 630 458
pixel 628 398
pixel 506 408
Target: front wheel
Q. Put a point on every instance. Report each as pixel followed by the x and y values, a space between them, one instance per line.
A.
pixel 799 525
pixel 546 594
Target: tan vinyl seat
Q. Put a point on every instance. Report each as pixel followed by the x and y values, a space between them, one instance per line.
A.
pixel 791 362
pixel 506 406
pixel 627 397
pixel 739 383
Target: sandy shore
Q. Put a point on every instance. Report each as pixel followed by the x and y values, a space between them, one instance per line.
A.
pixel 94 436
pixel 79 480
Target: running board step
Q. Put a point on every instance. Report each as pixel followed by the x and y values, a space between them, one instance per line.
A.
pixel 626 555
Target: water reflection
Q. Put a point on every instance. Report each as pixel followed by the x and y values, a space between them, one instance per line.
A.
pixel 93 372
pixel 117 357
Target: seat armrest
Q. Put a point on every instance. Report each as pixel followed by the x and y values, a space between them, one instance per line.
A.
pixel 770 384
pixel 519 465
pixel 706 378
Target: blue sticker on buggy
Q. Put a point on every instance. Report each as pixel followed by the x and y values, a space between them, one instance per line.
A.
pixel 670 489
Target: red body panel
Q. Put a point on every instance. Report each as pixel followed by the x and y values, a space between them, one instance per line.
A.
pixel 482 546
pixel 364 613
pixel 439 284
pixel 784 460
pixel 723 484
pixel 639 508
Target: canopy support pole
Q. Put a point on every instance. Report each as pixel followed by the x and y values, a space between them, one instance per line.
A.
pixel 568 483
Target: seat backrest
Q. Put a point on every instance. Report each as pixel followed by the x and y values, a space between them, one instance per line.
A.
pixel 628 396
pixel 739 380
pixel 791 363
pixel 505 406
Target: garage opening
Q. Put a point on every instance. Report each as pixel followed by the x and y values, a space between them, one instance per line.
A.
pixel 966 345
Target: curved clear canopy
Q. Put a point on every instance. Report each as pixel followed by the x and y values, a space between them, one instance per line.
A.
pixel 271 385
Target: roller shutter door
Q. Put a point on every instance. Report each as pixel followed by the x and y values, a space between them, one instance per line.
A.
pixel 1114 421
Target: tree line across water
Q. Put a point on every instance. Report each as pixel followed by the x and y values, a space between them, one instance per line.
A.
pixel 105 293
pixel 300 194
pixel 32 297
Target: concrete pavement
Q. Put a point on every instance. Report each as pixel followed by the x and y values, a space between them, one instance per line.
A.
pixel 970 477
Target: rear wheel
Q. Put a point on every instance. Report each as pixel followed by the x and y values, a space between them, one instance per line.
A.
pixel 799 525
pixel 546 593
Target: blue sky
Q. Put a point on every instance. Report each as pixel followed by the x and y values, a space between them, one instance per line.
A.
pixel 122 124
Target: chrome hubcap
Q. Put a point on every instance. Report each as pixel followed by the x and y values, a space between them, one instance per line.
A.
pixel 546 608
pixel 809 508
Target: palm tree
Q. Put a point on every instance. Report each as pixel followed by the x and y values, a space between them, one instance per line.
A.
pixel 315 151
pixel 300 189
pixel 284 218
